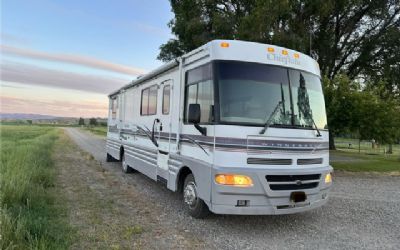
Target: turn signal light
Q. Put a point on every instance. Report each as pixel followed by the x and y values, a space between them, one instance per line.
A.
pixel 234 180
pixel 296 55
pixel 284 52
pixel 224 45
pixel 328 178
pixel 271 50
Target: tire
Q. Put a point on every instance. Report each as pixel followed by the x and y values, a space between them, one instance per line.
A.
pixel 110 158
pixel 195 206
pixel 124 165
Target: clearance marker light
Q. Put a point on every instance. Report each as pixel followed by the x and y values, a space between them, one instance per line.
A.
pixel 296 55
pixel 224 45
pixel 234 180
pixel 284 52
pixel 271 50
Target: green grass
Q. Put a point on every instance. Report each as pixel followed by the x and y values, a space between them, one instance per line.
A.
pixel 31 216
pixel 367 163
pixel 98 130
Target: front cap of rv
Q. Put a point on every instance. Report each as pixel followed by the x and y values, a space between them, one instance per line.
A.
pixel 262 53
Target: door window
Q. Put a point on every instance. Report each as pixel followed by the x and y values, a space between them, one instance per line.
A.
pixel 166 99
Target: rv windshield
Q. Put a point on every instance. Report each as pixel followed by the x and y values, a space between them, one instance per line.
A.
pixel 251 93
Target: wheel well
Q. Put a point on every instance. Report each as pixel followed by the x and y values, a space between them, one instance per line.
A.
pixel 185 171
pixel 121 153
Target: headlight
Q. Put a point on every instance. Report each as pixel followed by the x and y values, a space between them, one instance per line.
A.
pixel 234 180
pixel 328 178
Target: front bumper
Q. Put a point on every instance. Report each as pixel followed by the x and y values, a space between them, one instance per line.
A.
pixel 261 200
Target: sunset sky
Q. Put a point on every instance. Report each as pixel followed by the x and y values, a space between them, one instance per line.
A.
pixel 63 57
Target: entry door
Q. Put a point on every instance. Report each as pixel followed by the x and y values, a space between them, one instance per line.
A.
pixel 164 130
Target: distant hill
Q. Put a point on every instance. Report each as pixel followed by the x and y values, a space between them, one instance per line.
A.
pixel 20 116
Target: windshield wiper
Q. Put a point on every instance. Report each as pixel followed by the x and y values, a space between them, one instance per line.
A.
pixel 270 118
pixel 316 128
pixel 312 120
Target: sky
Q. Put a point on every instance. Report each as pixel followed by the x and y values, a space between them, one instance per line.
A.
pixel 64 57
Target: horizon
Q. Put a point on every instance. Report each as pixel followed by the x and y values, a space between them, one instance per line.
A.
pixel 63 59
pixel 55 116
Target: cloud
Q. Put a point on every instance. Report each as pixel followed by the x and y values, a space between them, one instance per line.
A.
pixel 28 74
pixel 11 104
pixel 72 59
pixel 10 38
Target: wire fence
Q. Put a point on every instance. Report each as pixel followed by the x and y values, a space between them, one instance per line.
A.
pixel 365 147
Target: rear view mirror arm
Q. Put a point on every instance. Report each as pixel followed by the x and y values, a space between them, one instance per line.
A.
pixel 202 130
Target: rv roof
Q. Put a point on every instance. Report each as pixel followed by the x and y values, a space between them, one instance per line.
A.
pixel 240 51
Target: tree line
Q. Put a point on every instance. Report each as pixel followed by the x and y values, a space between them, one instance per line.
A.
pixel 356 43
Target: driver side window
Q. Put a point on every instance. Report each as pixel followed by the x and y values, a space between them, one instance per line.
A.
pixel 200 90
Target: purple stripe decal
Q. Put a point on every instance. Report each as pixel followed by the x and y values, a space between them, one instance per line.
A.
pixel 240 144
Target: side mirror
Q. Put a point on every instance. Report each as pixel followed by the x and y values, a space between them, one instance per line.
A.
pixel 194 118
pixel 194 113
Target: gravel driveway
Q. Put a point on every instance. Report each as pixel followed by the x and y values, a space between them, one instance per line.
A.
pixel 363 213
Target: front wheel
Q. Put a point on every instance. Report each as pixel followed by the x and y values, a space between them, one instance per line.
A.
pixel 193 204
pixel 110 158
pixel 125 167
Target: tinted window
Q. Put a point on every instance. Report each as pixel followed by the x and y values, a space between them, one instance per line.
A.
pixel 199 74
pixel 153 100
pixel 258 94
pixel 249 93
pixel 145 102
pixel 114 107
pixel 149 101
pixel 200 90
pixel 308 100
pixel 166 99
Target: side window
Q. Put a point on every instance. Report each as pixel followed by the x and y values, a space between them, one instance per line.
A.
pixel 153 100
pixel 145 102
pixel 200 90
pixel 166 99
pixel 149 101
pixel 114 107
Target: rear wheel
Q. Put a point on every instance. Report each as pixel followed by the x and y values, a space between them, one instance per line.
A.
pixel 125 167
pixel 193 204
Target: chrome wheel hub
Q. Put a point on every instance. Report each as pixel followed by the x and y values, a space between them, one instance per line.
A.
pixel 189 194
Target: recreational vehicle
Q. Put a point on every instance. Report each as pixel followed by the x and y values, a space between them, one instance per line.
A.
pixel 236 127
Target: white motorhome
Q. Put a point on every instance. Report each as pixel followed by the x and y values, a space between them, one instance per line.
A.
pixel 237 127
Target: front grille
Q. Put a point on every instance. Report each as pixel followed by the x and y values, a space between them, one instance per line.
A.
pixel 279 187
pixel 293 182
pixel 269 161
pixel 309 161
pixel 289 178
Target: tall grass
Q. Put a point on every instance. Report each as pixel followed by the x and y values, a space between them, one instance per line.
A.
pixel 29 214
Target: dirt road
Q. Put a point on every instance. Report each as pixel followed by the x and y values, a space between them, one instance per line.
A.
pixel 363 212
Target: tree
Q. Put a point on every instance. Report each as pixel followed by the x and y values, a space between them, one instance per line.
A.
pixel 347 35
pixel 81 121
pixel 341 98
pixel 93 122
pixel 378 118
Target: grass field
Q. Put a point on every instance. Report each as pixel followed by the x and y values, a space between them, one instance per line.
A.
pixel 31 213
pixel 366 162
pixel 98 130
